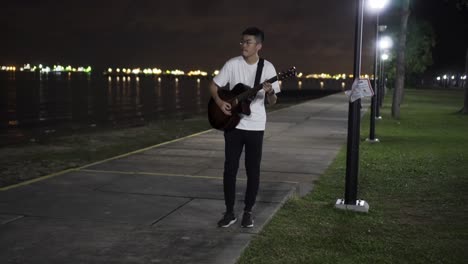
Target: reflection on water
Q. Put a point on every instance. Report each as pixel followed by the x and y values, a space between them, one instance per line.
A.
pixel 33 100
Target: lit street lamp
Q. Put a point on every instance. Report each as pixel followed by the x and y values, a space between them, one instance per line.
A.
pixel 385 43
pixel 381 94
pixel 377 6
pixel 350 201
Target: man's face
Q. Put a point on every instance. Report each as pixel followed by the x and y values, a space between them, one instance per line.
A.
pixel 249 45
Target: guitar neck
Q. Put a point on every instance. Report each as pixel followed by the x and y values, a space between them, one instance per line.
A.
pixel 254 91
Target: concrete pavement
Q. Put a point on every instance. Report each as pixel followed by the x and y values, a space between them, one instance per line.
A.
pixel 161 204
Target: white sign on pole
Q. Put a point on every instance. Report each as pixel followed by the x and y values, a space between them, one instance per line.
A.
pixel 361 88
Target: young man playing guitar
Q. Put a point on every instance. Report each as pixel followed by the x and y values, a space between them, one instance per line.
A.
pixel 249 131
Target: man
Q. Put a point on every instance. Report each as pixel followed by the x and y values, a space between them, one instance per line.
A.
pixel 249 131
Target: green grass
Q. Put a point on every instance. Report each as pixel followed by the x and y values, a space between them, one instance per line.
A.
pixel 415 181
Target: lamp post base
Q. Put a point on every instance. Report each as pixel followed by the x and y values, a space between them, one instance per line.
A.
pixel 360 206
pixel 375 140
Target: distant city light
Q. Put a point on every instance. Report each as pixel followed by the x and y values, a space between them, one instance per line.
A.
pixel 197 73
pixel 46 69
pixel 125 72
pixel 177 72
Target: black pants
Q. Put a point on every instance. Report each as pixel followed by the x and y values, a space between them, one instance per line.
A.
pixel 235 140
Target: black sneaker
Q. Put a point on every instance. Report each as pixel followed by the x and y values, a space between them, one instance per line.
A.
pixel 247 220
pixel 227 220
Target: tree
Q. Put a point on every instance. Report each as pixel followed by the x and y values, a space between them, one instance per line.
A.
pixel 463 5
pixel 400 63
pixel 464 110
pixel 419 44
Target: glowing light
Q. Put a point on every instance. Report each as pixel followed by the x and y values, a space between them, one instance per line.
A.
pixel 438 78
pixel 384 56
pixel 453 77
pixel 177 72
pixel 385 42
pixel 198 80
pixel 157 71
pixel 58 68
pixel 321 85
pixel 197 73
pixel 445 76
pixel 117 70
pixel 159 79
pixel 137 79
pixel 343 84
pixel 216 72
pixel 377 4
pixel 300 75
pixel 109 70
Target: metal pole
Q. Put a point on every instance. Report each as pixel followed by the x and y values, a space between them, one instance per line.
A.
pixel 381 82
pixel 373 114
pixel 354 118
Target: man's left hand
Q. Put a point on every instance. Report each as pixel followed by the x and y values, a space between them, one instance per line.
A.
pixel 268 88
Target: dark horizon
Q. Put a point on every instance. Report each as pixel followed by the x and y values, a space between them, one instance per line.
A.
pixel 314 36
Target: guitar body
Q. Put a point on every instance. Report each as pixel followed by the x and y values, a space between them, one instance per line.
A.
pixel 216 116
pixel 240 98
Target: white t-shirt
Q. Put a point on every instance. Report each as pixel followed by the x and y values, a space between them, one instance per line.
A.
pixel 237 70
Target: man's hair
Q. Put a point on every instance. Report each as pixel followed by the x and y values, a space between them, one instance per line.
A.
pixel 254 31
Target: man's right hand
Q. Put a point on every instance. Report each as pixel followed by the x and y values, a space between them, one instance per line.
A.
pixel 224 106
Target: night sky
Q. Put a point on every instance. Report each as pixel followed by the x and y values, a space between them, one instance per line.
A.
pixel 315 36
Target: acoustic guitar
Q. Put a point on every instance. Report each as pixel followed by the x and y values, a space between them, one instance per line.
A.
pixel 240 98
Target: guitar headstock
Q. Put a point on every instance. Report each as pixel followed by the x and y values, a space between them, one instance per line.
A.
pixel 286 74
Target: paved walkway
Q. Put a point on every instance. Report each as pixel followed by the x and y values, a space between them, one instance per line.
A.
pixel 161 205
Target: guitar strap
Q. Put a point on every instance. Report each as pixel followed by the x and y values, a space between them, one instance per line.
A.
pixel 259 72
pixel 245 107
